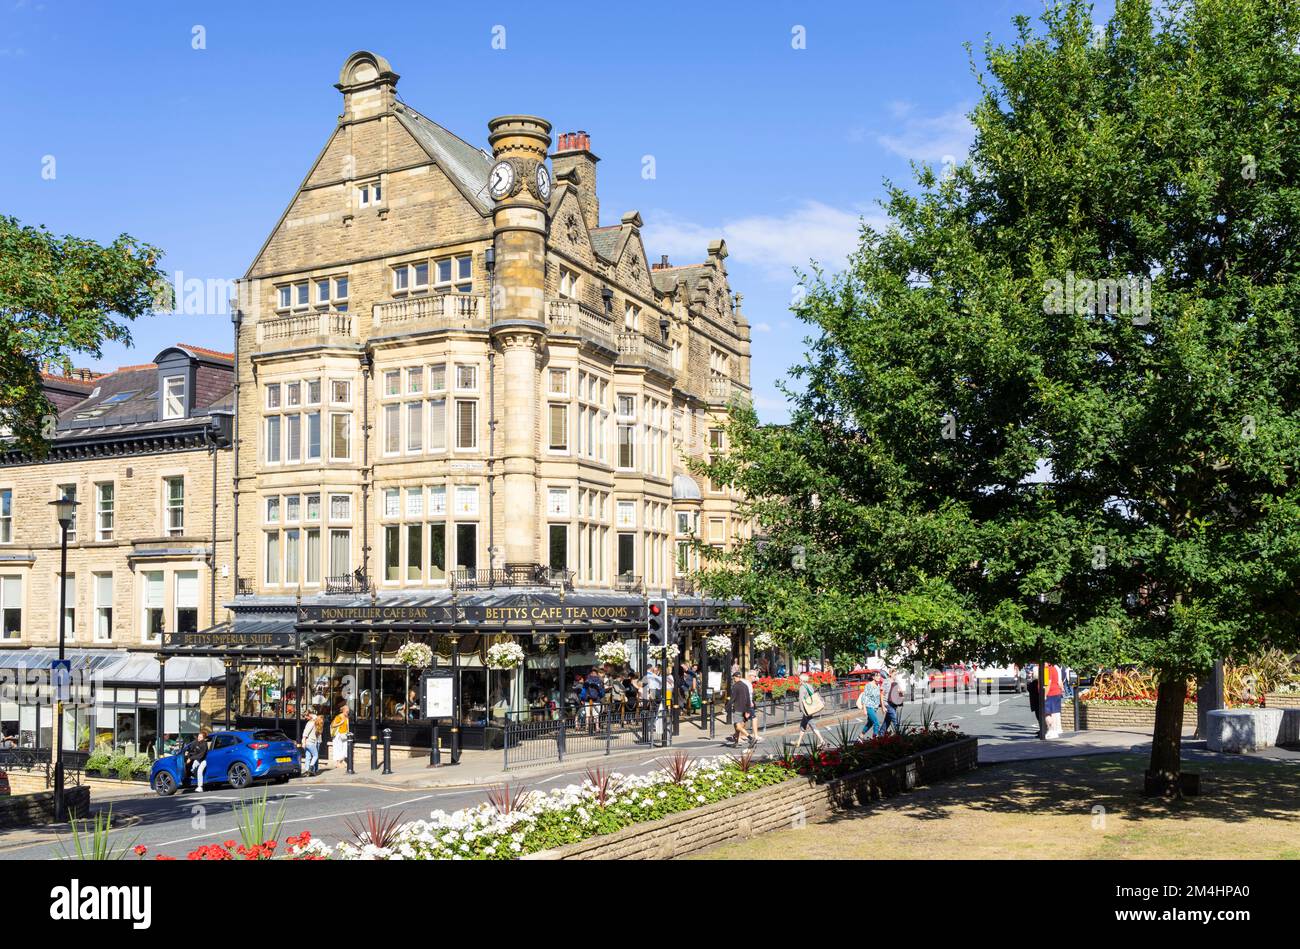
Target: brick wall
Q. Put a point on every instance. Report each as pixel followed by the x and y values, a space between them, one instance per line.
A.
pixel 1282 700
pixel 26 810
pixel 769 808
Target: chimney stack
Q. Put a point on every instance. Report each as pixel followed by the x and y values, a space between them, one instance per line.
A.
pixel 573 154
pixel 663 263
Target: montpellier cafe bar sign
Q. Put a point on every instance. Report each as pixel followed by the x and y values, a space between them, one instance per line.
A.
pixel 522 616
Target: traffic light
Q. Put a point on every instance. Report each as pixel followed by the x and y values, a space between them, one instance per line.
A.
pixel 656 620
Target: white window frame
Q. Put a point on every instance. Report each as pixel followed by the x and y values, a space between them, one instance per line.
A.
pixel 102 533
pixel 173 402
pixel 101 636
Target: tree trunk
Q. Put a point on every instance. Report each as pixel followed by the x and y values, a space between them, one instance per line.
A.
pixel 1164 777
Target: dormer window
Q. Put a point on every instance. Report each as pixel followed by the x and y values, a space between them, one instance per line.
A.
pixel 174 397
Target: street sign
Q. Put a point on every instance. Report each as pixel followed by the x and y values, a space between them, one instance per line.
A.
pixel 436 693
pixel 61 679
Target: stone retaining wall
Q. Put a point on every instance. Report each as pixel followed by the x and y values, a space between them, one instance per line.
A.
pixel 28 810
pixel 1110 715
pixel 1282 699
pixel 782 805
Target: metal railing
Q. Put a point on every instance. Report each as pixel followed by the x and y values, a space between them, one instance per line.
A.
pixel 585 729
pixel 244 586
pixel 627 582
pixel 436 311
pixel 511 575
pixel 37 760
pixel 355 583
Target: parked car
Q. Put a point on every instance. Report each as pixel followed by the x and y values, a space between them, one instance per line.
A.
pixel 988 678
pixel 236 758
pixel 952 678
pixel 4 784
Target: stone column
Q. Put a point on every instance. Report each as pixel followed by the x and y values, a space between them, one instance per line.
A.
pixel 519 324
pixel 518 445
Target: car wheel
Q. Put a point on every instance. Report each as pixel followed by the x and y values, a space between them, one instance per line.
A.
pixel 164 784
pixel 239 775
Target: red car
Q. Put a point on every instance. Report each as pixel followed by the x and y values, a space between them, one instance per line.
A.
pixel 4 784
pixel 951 678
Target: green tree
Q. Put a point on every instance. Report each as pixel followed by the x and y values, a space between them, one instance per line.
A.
pixel 1055 409
pixel 61 296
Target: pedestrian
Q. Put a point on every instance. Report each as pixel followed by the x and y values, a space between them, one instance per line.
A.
pixel 1032 686
pixel 340 725
pixel 810 703
pixel 196 758
pixel 741 708
pixel 595 695
pixel 894 699
pixel 869 704
pixel 1052 702
pixel 750 679
pixel 311 744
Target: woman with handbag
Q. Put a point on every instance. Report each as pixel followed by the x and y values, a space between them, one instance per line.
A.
pixel 339 728
pixel 810 703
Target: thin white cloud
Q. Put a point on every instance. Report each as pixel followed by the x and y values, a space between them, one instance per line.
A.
pixel 774 244
pixel 931 138
pixel 762 327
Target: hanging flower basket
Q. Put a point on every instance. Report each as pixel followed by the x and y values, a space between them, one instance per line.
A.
pixel 613 652
pixel 416 655
pixel 718 644
pixel 263 677
pixel 505 656
pixel 665 653
pixel 763 641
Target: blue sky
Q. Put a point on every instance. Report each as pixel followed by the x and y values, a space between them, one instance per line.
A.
pixel 778 150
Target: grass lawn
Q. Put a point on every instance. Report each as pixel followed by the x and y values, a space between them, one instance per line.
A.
pixel 1050 809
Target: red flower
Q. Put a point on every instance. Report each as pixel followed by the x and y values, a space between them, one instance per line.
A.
pixel 140 850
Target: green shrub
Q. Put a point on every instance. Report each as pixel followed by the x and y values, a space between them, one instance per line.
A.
pixel 99 761
pixel 141 764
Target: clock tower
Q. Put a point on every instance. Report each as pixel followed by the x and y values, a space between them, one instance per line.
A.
pixel 518 301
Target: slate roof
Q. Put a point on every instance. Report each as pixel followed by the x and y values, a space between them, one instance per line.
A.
pixel 465 165
pixel 604 240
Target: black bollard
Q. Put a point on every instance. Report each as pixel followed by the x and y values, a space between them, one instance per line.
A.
pixel 435 757
pixel 388 751
pixel 352 741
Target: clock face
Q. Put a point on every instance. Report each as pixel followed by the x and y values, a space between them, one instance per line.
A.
pixel 543 182
pixel 501 180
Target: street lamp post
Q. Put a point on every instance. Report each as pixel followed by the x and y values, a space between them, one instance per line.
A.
pixel 65 508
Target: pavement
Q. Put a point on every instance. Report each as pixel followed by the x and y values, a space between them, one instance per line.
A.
pixel 328 803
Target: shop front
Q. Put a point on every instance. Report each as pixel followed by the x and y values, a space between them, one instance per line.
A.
pixel 284 662
pixel 113 700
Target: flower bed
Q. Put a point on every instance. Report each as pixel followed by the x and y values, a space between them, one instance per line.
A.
pixel 774 687
pixel 605 804
pixel 849 758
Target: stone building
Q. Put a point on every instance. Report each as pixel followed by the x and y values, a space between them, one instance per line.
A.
pixel 146 452
pixel 464 411
pixel 449 364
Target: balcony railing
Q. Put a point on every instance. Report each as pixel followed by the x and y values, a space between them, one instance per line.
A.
pixel 684 586
pixel 244 586
pixel 439 311
pixel 628 582
pixel 511 575
pixel 570 317
pixel 725 389
pixel 635 349
pixel 296 327
pixel 355 583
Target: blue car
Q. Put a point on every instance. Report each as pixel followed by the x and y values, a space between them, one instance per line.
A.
pixel 236 758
